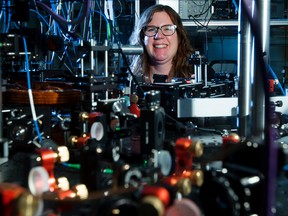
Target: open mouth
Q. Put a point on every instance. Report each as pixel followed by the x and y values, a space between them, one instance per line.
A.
pixel 160 46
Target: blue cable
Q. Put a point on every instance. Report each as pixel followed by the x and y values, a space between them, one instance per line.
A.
pixel 2 14
pixel 40 16
pixel 57 30
pixel 107 21
pixel 68 56
pixel 235 5
pixel 275 77
pixel 9 17
pixel 30 91
pixel 52 59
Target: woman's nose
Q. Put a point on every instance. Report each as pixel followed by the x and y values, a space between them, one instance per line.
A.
pixel 158 34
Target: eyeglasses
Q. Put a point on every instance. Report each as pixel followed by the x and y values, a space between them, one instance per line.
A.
pixel 166 30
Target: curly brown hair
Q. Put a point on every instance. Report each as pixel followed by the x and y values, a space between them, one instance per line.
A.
pixel 140 64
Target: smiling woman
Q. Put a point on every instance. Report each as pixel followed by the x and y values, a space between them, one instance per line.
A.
pixel 166 45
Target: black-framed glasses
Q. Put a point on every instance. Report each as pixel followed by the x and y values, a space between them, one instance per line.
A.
pixel 166 30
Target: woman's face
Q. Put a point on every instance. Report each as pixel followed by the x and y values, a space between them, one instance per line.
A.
pixel 160 48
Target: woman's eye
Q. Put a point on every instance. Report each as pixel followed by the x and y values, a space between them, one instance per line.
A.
pixel 166 28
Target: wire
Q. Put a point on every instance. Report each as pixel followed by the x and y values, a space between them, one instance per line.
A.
pixel 203 12
pixel 31 100
pixel 197 22
pixel 9 18
pixel 275 77
pixel 52 58
pixel 196 3
pixel 6 13
pixel 107 22
pixel 62 22
pixel 40 16
pixel 2 14
pixel 126 63
pixel 121 9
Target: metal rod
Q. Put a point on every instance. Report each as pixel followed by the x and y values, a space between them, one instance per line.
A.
pixel 82 60
pixel 262 125
pixel 245 73
pixel 92 61
pixel 137 10
pixel 106 60
pixel 106 66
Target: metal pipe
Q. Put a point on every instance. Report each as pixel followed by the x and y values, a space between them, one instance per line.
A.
pixel 245 72
pixel 137 11
pixel 259 119
pixel 82 60
pixel 106 60
pixel 262 125
pixel 106 73
pixel 92 61
pixel 132 50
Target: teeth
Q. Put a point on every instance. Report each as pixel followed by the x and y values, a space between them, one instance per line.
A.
pixel 160 46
